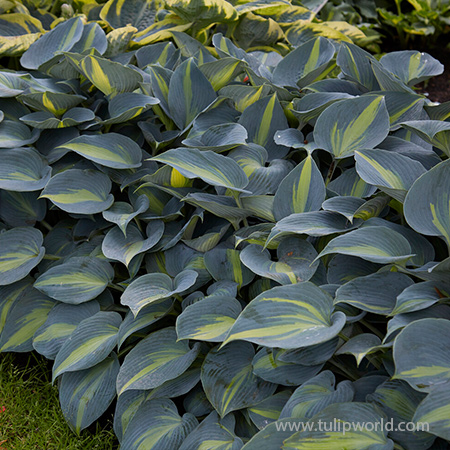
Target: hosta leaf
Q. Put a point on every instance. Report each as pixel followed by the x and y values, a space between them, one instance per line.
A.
pixel 399 402
pixel 208 319
pixel 254 30
pixel 46 120
pixel 160 78
pixel 214 432
pixel 435 132
pixel 154 360
pixel 192 48
pixel 161 53
pixel 421 353
pixel 109 77
pixel 350 184
pixel 426 156
pixel 90 343
pixel 356 65
pixel 196 402
pixel 374 293
pixel 262 179
pixel 262 120
pixel 20 209
pixel 301 66
pixel 433 412
pixel 314 223
pixel 310 106
pixel 20 251
pixel 316 394
pixel 375 206
pixel 80 191
pixel 93 37
pixel 345 205
pixel 427 205
pixel 190 93
pixel 85 395
pixel 56 103
pixel 424 251
pixel 354 439
pixel 9 295
pixel 61 322
pixel 16 45
pixel 352 124
pixel 203 11
pixel 61 39
pixel 312 355
pixel 293 316
pixel 128 106
pixel 212 168
pixel 343 268
pixel 122 213
pixel 219 138
pixel 360 346
pixel 124 248
pixel 77 280
pixel 161 30
pixel 222 72
pixel 148 315
pixel 243 96
pixel 402 106
pixel 377 244
pixel 155 286
pixel 411 66
pixel 25 317
pixel 273 435
pixel 228 380
pixel 419 296
pixel 268 411
pixel 295 261
pixel 156 425
pixel 267 366
pixel 15 134
pixel 224 264
pixel 110 150
pixel 180 385
pixel 400 321
pixel 119 13
pixel 302 190
pixel 23 169
pixel 391 172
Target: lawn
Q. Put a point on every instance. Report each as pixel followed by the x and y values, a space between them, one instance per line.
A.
pixel 30 415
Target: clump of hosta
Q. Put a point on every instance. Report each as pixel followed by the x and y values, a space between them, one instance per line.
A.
pixel 217 243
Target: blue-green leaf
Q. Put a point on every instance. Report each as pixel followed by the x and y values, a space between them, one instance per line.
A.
pixel 20 251
pixel 85 395
pixel 292 316
pixel 154 360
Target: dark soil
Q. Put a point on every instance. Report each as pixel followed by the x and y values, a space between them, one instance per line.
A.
pixel 438 88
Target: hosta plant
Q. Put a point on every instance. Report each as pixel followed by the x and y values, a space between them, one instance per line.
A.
pixel 215 243
pixel 256 25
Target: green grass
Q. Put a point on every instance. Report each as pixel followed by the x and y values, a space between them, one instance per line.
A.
pixel 30 415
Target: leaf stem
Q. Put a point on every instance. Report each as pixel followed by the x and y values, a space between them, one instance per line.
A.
pixel 372 328
pixel 239 203
pixel 46 225
pixel 116 287
pixel 330 173
pixel 52 257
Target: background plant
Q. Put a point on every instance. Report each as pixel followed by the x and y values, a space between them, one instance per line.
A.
pixel 401 24
pixel 217 239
